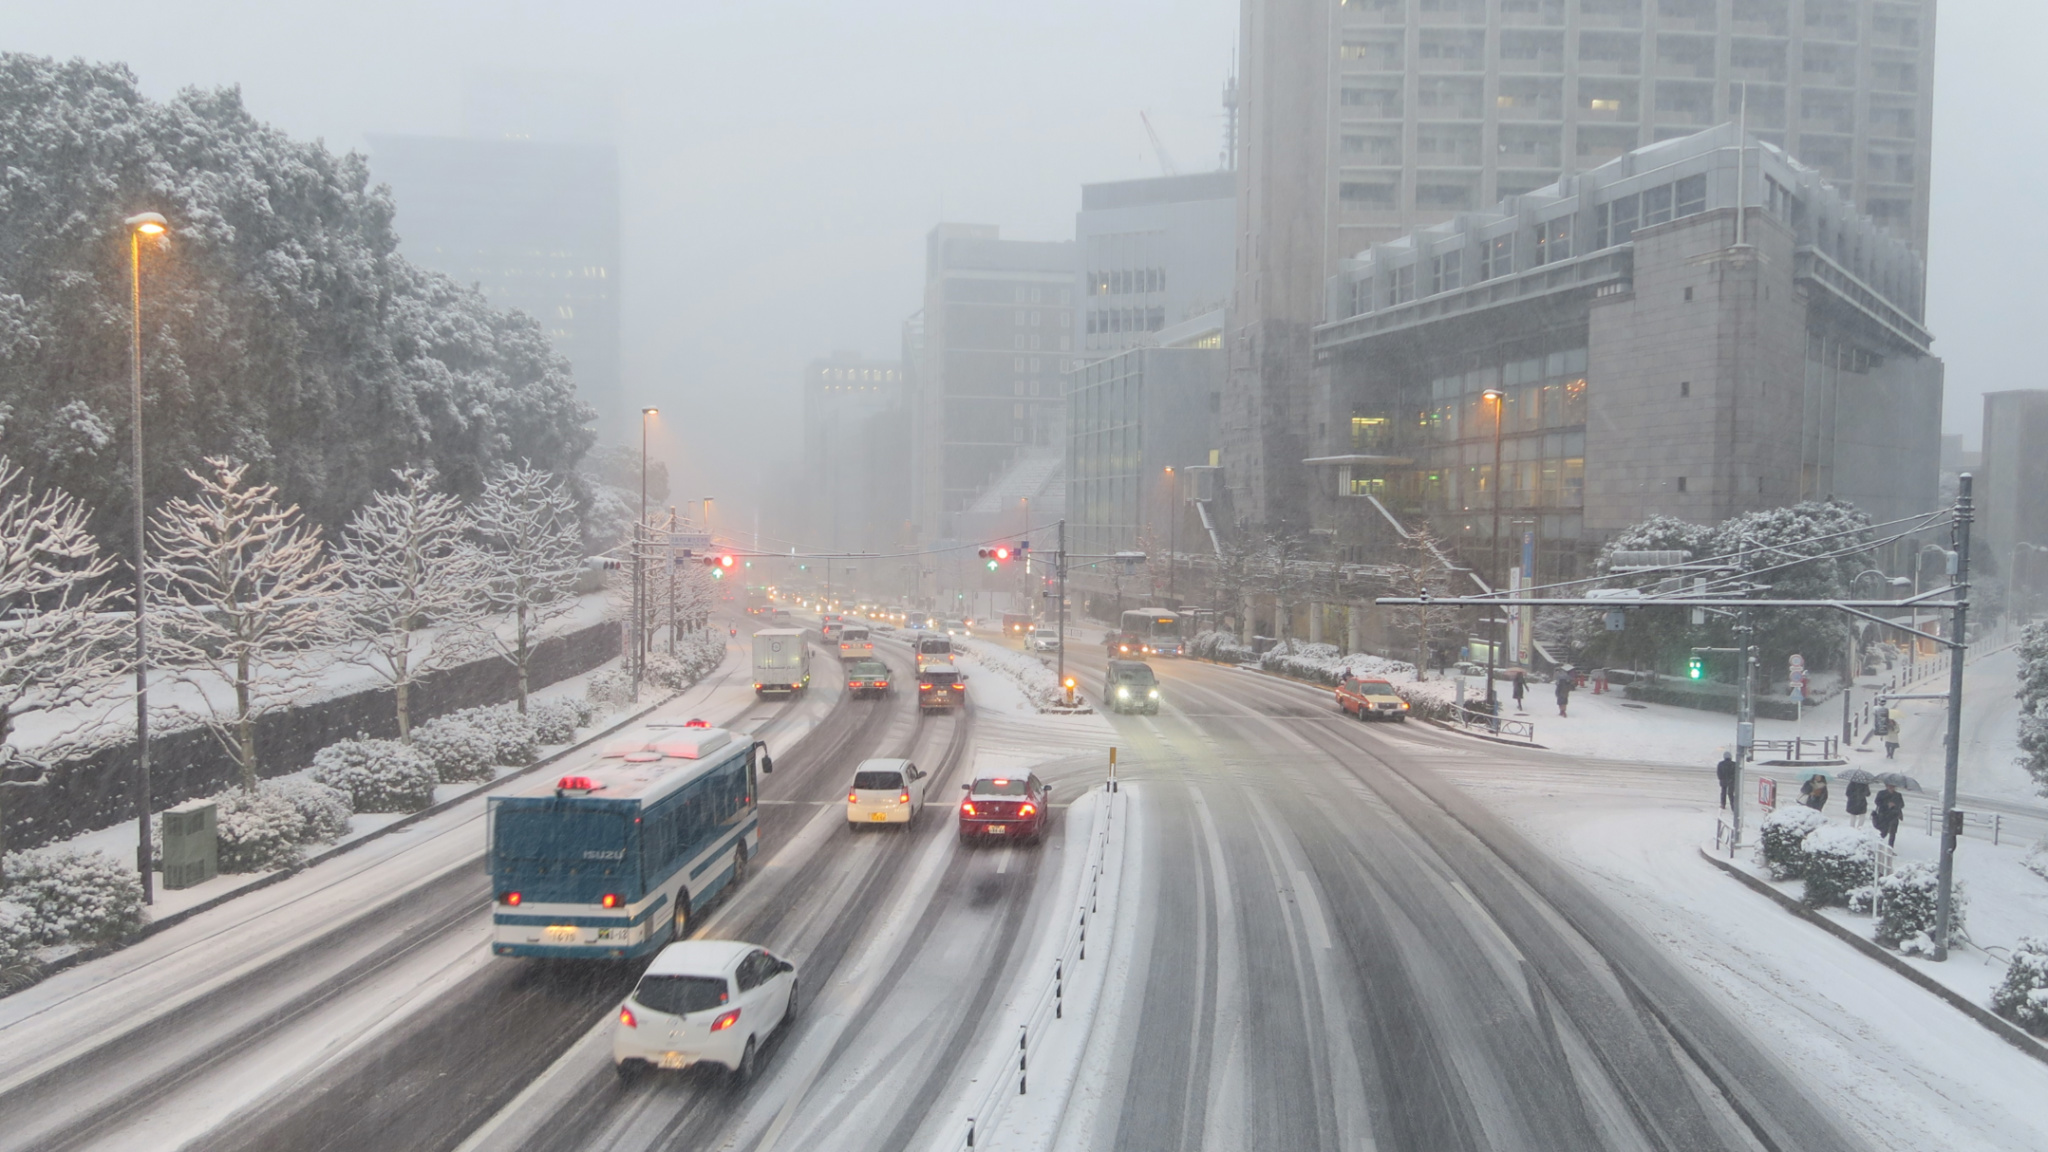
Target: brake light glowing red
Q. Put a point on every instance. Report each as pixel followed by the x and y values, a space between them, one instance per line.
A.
pixel 726 1021
pixel 967 807
pixel 511 898
pixel 904 798
pixel 611 900
pixel 1027 810
pixel 1000 782
pixel 923 686
pixel 626 1017
pixel 577 784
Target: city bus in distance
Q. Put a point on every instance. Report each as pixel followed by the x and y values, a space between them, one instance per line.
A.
pixel 609 859
pixel 1153 631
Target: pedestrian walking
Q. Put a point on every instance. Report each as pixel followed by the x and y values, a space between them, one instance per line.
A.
pixel 1521 690
pixel 1564 689
pixel 1858 802
pixel 1726 771
pixel 1814 793
pixel 1887 809
pixel 1891 735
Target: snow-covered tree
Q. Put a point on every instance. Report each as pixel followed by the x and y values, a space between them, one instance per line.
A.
pixel 240 587
pixel 529 543
pixel 281 325
pixel 2033 697
pixel 1423 569
pixel 411 586
pixel 57 628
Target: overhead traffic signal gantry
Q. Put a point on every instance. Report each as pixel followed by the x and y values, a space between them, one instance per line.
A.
pixel 997 554
pixel 719 563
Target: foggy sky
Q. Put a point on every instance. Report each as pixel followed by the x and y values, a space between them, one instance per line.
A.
pixel 781 163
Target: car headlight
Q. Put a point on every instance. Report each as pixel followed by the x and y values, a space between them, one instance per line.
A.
pixel 1154 694
pixel 1123 693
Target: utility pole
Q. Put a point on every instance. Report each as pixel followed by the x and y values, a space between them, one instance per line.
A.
pixel 1959 531
pixel 1745 713
pixel 1060 570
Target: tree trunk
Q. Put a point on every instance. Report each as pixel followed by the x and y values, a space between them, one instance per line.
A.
pixel 245 724
pixel 523 660
pixel 401 682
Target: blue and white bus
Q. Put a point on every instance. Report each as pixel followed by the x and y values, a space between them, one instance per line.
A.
pixel 608 860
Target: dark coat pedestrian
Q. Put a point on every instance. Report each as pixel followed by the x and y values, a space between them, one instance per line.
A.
pixel 1814 793
pixel 1858 798
pixel 1725 770
pixel 1886 810
pixel 1564 691
pixel 1521 689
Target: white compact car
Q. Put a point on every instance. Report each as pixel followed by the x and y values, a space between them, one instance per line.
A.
pixel 885 792
pixel 704 1002
pixel 1045 640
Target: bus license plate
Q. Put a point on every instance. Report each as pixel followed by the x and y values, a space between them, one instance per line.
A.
pixel 878 817
pixel 563 934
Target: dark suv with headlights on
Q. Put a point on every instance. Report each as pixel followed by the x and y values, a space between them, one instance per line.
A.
pixel 1131 686
pixel 1005 808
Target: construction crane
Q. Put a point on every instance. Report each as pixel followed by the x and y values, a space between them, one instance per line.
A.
pixel 1166 163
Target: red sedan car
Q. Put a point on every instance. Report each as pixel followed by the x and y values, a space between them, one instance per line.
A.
pixel 1005 808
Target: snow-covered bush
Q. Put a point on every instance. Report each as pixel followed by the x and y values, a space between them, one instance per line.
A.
pixel 2022 997
pixel 1839 860
pixel 2036 859
pixel 1221 647
pixel 257 831
pixel 17 933
pixel 458 748
pixel 1905 909
pixel 323 807
pixel 378 775
pixel 1782 835
pixel 695 658
pixel 611 688
pixel 513 737
pixel 1863 899
pixel 555 721
pixel 74 897
pixel 1324 664
pixel 1039 683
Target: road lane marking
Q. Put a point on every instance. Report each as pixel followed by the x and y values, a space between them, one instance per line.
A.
pixel 1002 861
pixel 1311 910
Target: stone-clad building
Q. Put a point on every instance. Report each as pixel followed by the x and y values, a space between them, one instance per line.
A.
pixel 1648 354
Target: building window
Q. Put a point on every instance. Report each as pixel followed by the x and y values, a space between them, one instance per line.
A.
pixel 1684 388
pixel 1681 483
pixel 1656 205
pixel 1692 196
pixel 1443 272
pixel 1688 295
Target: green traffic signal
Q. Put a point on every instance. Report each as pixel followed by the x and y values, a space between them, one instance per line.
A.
pixel 1695 668
pixel 991 565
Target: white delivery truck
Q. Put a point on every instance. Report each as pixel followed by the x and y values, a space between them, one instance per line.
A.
pixel 782 661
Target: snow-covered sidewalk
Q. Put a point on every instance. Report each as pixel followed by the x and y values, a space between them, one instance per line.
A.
pixel 1910 1070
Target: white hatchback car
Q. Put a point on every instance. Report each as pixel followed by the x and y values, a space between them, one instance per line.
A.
pixel 885 792
pixel 704 1002
pixel 1045 640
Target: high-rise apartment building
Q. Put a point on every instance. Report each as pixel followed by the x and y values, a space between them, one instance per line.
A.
pixel 2011 489
pixel 1386 115
pixel 844 397
pixel 998 331
pixel 1155 254
pixel 525 207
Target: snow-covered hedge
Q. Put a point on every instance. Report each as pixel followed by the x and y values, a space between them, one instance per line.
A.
pixel 611 688
pixel 1905 909
pixel 2022 997
pixel 696 656
pixel 1039 683
pixel 1324 664
pixel 1839 860
pixel 257 831
pixel 459 748
pixel 17 937
pixel 72 897
pixel 1221 647
pixel 324 808
pixel 555 721
pixel 378 775
pixel 1783 833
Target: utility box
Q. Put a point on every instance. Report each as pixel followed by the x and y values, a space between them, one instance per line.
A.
pixel 191 848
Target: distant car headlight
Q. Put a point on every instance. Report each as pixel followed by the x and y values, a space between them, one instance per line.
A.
pixel 1123 693
pixel 1154 694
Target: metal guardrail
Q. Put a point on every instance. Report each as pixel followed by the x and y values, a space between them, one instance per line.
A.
pixel 1050 1005
pixel 1797 747
pixel 1992 822
pixel 1471 716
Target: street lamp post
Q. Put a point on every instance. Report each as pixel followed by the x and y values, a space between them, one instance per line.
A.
pixel 640 565
pixel 140 225
pixel 1499 399
pixel 1173 542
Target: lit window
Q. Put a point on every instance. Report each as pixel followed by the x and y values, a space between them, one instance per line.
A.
pixel 1599 105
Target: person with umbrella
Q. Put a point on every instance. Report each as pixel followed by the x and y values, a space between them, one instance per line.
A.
pixel 1725 770
pixel 1858 795
pixel 1886 811
pixel 1521 685
pixel 1814 793
pixel 1564 689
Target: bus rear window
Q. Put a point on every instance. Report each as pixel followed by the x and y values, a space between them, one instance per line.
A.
pixel 558 834
pixel 681 995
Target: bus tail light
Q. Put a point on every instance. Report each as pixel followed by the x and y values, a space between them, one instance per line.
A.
pixel 611 900
pixel 511 898
pixel 626 1017
pixel 726 1021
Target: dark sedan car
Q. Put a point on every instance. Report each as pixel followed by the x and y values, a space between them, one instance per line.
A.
pixel 867 678
pixel 1005 808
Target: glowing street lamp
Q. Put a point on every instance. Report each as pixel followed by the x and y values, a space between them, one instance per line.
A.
pixel 140 225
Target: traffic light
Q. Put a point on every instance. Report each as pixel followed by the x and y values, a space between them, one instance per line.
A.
pixel 998 554
pixel 1695 667
pixel 718 564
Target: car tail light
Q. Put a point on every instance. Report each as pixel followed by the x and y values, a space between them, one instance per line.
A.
pixel 904 798
pixel 923 686
pixel 626 1017
pixel 611 900
pixel 511 898
pixel 1027 810
pixel 852 796
pixel 967 807
pixel 881 683
pixel 726 1021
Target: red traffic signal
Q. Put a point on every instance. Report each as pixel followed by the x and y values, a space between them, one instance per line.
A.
pixel 722 560
pixel 999 552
